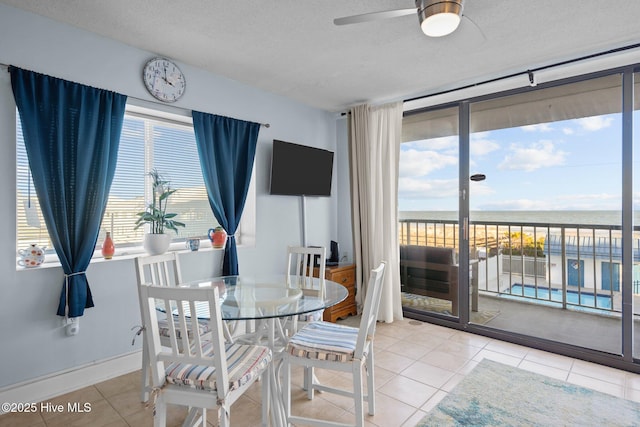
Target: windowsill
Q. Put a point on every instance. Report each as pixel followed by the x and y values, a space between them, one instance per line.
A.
pixel 51 260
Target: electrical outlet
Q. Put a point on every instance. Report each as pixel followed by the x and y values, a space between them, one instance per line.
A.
pixel 73 326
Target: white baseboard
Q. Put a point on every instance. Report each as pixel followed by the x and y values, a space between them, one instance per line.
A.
pixel 43 388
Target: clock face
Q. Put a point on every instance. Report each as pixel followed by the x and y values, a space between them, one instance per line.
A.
pixel 164 80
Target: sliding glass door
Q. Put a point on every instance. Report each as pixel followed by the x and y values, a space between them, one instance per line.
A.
pixel 546 221
pixel 537 190
pixel 634 270
pixel 428 212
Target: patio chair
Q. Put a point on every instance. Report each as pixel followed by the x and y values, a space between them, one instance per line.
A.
pixel 340 348
pixel 193 372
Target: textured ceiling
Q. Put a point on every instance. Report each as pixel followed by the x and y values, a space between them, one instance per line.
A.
pixel 292 47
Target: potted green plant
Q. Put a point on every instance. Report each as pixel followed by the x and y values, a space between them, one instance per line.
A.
pixel 156 242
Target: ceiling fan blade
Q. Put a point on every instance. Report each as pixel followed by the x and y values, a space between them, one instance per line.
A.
pixel 373 16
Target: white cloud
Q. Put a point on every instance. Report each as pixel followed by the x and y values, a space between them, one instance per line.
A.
pixel 482 147
pixel 475 136
pixel 438 144
pixel 415 163
pixel 591 197
pixel 601 201
pixel 412 188
pixel 515 205
pixel 636 201
pixel 480 189
pixel 540 127
pixel 595 123
pixel 567 131
pixel 538 155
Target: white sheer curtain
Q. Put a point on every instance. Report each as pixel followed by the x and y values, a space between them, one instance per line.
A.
pixel 374 143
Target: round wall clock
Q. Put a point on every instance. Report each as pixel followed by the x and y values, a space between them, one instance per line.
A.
pixel 164 80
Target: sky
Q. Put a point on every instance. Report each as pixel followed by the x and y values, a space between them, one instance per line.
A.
pixel 565 165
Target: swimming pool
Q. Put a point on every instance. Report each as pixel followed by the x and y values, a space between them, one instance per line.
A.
pixel 586 299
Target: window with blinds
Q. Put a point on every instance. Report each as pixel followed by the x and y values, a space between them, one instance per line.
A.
pixel 146 142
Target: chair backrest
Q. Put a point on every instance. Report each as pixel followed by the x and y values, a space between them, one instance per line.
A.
pixel 370 308
pixel 161 270
pixel 190 349
pixel 300 263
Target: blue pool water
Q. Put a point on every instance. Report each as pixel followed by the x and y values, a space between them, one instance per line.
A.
pixel 587 299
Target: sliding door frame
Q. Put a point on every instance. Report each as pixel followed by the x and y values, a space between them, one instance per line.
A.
pixel 624 361
pixel 627 214
pixel 463 212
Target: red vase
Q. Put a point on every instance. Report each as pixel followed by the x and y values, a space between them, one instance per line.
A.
pixel 218 237
pixel 108 249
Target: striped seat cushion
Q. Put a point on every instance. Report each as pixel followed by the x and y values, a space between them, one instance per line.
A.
pixel 163 324
pixel 244 363
pixel 324 341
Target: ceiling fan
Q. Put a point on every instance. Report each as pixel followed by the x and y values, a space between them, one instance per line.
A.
pixel 437 17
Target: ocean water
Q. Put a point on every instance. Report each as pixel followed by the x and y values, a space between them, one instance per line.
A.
pixel 543 217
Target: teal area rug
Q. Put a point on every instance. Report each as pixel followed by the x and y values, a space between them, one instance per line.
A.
pixel 494 394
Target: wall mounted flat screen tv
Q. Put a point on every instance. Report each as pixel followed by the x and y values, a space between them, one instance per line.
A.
pixel 299 170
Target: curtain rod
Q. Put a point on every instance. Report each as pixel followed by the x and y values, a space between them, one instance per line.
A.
pixel 530 72
pixel 266 125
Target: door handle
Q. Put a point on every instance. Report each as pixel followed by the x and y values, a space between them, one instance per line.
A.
pixel 465 228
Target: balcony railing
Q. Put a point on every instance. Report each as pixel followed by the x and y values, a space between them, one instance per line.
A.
pixel 567 265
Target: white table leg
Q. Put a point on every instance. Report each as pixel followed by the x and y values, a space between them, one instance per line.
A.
pixel 278 414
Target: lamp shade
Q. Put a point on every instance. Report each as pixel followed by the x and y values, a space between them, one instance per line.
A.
pixel 439 18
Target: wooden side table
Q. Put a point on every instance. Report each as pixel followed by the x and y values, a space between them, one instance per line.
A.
pixel 344 274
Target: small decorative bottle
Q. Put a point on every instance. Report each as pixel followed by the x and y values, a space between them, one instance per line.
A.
pixel 218 237
pixel 108 249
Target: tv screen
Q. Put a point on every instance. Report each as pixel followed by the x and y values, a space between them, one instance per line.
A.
pixel 299 170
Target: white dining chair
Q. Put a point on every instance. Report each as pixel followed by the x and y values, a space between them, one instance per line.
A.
pixel 299 274
pixel 201 374
pixel 161 270
pixel 339 348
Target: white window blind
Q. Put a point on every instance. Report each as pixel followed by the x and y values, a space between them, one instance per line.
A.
pixel 145 143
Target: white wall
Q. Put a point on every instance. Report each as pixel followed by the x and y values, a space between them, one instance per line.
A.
pixel 33 341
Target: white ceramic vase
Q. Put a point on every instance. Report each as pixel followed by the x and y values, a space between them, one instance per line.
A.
pixel 156 244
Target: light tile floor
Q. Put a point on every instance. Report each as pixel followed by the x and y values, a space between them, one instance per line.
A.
pixel 417 364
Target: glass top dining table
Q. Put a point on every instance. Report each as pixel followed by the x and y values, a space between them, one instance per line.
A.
pixel 247 298
pixel 265 299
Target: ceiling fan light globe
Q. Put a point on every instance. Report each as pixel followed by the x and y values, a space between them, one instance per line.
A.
pixel 440 24
pixel 439 17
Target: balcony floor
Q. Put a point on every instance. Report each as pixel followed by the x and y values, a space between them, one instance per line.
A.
pixel 599 330
pixel 585 329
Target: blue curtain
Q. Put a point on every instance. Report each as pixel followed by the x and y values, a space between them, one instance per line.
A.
pixel 227 148
pixel 71 135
